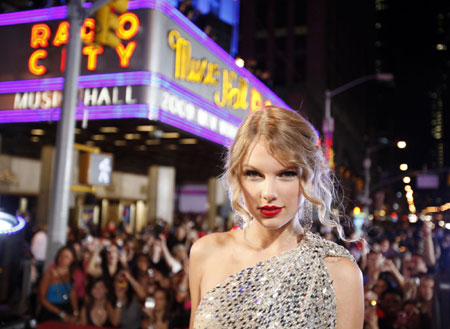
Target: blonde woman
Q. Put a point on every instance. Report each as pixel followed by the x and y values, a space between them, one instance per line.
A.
pixel 273 272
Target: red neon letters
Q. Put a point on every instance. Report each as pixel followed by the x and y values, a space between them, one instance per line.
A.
pixel 41 37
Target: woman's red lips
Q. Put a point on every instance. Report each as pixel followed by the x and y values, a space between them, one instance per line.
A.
pixel 270 211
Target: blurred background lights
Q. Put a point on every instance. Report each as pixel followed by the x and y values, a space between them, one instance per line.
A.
pixel 406 179
pixel 447 226
pixel 401 144
pixel 403 167
pixel 441 223
pixel 412 218
pixel 395 206
pixel 239 62
pixel 356 211
pixel 4 225
pixel 10 224
pixel 408 188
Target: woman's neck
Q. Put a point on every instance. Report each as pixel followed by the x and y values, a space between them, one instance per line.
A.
pixel 99 302
pixel 261 239
pixel 159 315
pixel 112 267
pixel 61 270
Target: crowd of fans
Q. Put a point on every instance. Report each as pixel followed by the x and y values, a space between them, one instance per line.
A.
pixel 113 278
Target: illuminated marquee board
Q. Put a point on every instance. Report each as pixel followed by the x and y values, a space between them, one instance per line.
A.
pixel 165 69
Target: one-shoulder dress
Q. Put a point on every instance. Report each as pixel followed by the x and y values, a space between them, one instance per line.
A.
pixel 290 290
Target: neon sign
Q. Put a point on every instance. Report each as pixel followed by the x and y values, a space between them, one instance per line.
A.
pixel 41 35
pixel 234 88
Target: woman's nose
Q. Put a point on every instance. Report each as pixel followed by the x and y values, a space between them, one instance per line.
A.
pixel 269 192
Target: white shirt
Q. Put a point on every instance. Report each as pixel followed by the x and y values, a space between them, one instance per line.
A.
pixel 39 245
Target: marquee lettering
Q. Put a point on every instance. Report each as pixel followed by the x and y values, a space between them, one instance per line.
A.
pixel 91 97
pixel 188 68
pixel 41 34
pixel 33 65
pixel 62 34
pixel 235 97
pixel 234 91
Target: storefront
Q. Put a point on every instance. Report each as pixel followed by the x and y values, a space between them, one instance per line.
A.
pixel 164 73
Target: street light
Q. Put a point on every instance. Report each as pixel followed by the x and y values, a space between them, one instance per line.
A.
pixel 328 122
pixel 401 144
pixel 367 164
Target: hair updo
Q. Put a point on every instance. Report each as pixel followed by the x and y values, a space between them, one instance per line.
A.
pixel 292 141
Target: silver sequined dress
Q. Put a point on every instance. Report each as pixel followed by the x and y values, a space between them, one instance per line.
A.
pixel 291 290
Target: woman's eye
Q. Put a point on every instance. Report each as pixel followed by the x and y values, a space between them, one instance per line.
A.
pixel 289 173
pixel 252 173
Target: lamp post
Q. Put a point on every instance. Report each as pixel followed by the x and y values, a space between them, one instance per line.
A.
pixel 328 122
pixel 367 164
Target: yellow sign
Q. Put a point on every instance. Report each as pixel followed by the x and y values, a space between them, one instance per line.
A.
pixel 235 89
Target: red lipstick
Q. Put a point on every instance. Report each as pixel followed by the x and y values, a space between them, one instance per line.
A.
pixel 270 211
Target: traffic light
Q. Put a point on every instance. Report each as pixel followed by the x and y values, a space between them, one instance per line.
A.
pixel 107 21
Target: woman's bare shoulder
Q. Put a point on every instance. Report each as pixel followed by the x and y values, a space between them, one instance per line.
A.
pixel 348 286
pixel 343 270
pixel 209 243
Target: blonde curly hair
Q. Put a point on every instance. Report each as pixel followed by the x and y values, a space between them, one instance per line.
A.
pixel 293 141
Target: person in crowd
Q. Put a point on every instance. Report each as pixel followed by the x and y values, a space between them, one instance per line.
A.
pixel 156 311
pixel 58 299
pixel 424 298
pixel 126 312
pixel 107 260
pixel 270 273
pixel 381 286
pixel 390 306
pixel 370 310
pixel 38 249
pixel 97 309
pixel 79 271
pixel 142 271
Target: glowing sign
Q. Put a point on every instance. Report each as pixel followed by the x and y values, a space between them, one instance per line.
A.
pixel 33 65
pixel 200 70
pixel 41 35
pixel 62 34
pixel 133 21
pixel 209 82
pixel 188 68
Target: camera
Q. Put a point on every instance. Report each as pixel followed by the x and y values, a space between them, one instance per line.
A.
pixel 158 230
pixel 149 303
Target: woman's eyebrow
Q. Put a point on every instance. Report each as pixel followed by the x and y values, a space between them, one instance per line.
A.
pixel 246 166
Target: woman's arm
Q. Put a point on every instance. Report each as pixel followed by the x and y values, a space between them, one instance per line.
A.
pixel 138 289
pixel 429 254
pixel 114 313
pixel 83 316
pixel 390 267
pixel 74 303
pixel 175 265
pixel 348 286
pixel 93 268
pixel 196 261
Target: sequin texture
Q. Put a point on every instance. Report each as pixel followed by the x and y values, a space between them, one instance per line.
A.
pixel 291 290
